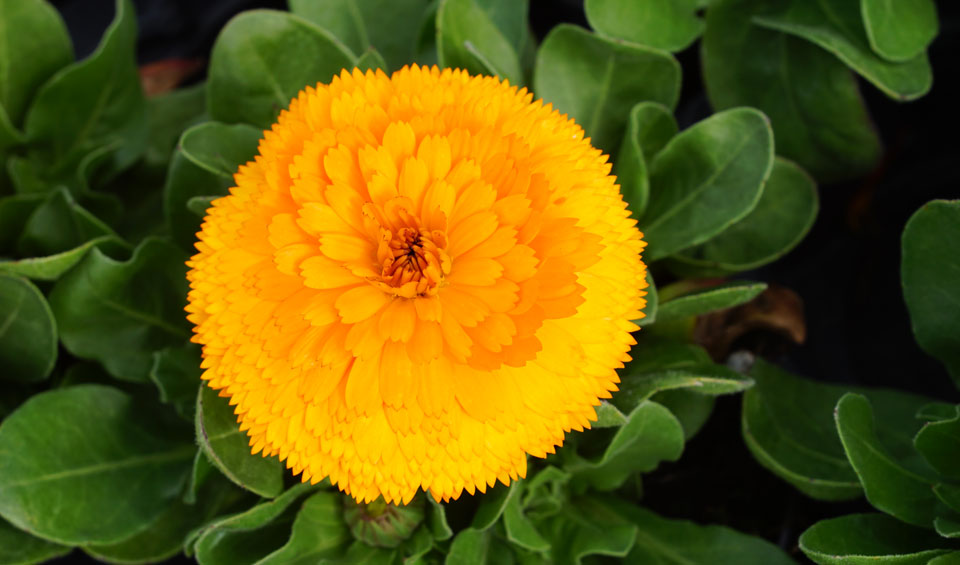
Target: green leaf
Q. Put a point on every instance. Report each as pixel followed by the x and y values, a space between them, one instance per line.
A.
pixel 929 272
pixel 863 539
pixel 220 148
pixel 811 98
pixel 650 310
pixel 468 39
pixel 652 354
pixel 120 312
pixel 702 301
pixel 704 378
pixel 390 26
pixel 680 542
pixel 14 212
pixel 262 59
pixel 838 28
pixel 9 137
pixel 706 178
pixel 20 548
pixel 520 530
pixel 169 114
pixel 936 411
pixel 93 106
pixel 371 60
pixel 52 267
pixel 952 558
pixel 34 27
pixel 595 80
pixel 788 426
pixel 185 180
pixel 899 31
pixel 60 476
pixel 649 128
pixel 176 373
pixel 651 435
pixel 318 532
pixel 247 536
pixel 469 547
pixel 586 527
pixel 783 216
pixel 202 470
pixel 228 448
pixel 939 443
pixel 691 408
pixel 671 25
pixel 437 520
pixel 199 205
pixel 28 332
pixel 949 495
pixel 946 527
pixel 59 224
pixel 889 486
pixel 608 416
pixel 492 504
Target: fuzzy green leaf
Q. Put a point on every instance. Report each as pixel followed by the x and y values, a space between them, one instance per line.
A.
pixel 867 539
pixel 318 532
pixel 650 127
pixel 59 224
pixel 28 331
pixel 705 179
pixel 186 180
pixel 229 448
pixel 468 39
pixel 704 378
pixel 702 301
pixel 671 25
pixel 929 272
pixel 939 443
pixel 220 148
pixel 811 98
pixel 176 373
pixel 17 547
pixel 597 81
pixel 899 30
pixel 60 476
pixel 262 59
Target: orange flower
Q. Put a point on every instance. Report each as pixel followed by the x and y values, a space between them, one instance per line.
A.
pixel 419 280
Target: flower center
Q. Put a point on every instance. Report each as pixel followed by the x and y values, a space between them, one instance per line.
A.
pixel 413 261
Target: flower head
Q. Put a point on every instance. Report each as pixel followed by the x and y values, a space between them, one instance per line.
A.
pixel 419 280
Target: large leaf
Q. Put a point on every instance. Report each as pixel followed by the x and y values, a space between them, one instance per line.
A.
pixel 939 443
pixel 587 527
pixel 468 39
pixel 788 425
pixel 597 81
pixel 219 148
pixel 120 312
pixel 665 24
pixel 704 300
pixel 706 178
pixel 247 536
pixel 95 106
pixel 262 58
pixel 811 98
pixel 17 547
pixel 318 532
pixel 905 493
pixel 228 448
pixel 390 26
pixel 899 30
pixel 836 25
pixel 86 464
pixel 651 435
pixel 783 216
pixel 34 27
pixel 650 127
pixel 679 542
pixel 865 539
pixel 929 271
pixel 28 331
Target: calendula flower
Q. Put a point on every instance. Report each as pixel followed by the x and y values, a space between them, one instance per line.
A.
pixel 419 280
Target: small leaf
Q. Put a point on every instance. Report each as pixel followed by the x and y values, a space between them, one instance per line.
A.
pixel 469 547
pixel 220 148
pixel 252 75
pixel 704 378
pixel 651 435
pixel 20 548
pixel 671 25
pixel 690 408
pixel 888 485
pixel 202 470
pixel 318 532
pixel 437 520
pixel 247 536
pixel 120 312
pixel 838 28
pixel 176 373
pixel 371 60
pixel 680 542
pixel 719 297
pixel 228 448
pixel 28 331
pixel 939 443
pixel 783 216
pixel 52 267
pixel 936 411
pixel 609 416
pixel 587 528
pixel 653 301
pixel 390 26
pixel 492 504
pixel 467 39
pixel 199 205
pixel 59 224
pixel 594 80
pixel 949 495
pixel 168 115
pixel 929 272
pixel 811 98
pixel 946 527
pixel 650 127
pixel 185 180
pixel 899 31
pixel 92 106
pixel 859 539
pixel 34 27
pixel 60 476
pixel 520 530
pixel 14 212
pixel 706 178
pixel 952 558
